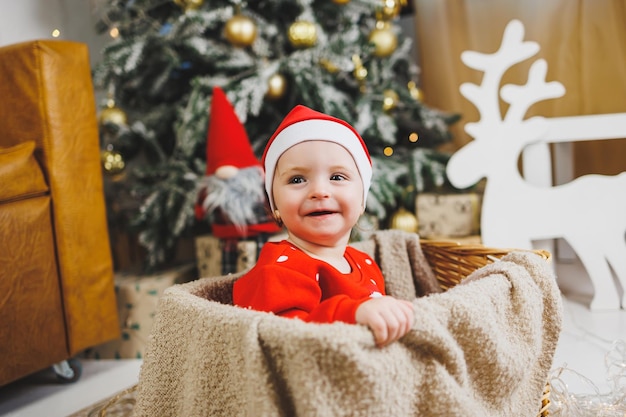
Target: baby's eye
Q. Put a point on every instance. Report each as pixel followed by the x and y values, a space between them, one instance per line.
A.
pixel 296 180
pixel 337 177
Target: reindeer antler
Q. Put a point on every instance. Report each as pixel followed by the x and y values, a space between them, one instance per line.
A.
pixel 512 51
pixel 521 97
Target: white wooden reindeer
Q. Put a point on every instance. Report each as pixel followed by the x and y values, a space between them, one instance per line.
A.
pixel 589 212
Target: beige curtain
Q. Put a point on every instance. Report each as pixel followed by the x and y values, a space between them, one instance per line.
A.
pixel 583 42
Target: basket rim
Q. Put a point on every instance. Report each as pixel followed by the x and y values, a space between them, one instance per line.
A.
pixel 478 248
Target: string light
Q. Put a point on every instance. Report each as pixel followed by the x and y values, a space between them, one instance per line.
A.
pixel 413 137
pixel 56 33
pixel 388 151
pixel 610 404
pixel 114 32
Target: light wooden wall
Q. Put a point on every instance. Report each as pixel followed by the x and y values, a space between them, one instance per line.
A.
pixel 25 20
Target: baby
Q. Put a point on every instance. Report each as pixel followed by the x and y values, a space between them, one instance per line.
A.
pixel 317 175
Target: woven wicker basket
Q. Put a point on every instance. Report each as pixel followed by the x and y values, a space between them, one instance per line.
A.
pixel 452 261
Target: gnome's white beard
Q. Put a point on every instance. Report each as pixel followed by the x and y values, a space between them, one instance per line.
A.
pixel 240 199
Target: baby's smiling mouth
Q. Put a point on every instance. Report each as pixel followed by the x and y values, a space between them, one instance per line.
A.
pixel 320 213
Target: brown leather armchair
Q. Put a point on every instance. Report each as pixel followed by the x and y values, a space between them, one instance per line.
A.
pixel 57 294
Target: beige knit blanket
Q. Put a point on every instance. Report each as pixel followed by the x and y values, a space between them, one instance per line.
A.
pixel 483 348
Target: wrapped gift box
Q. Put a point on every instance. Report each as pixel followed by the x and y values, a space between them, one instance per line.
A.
pixel 208 256
pixel 137 297
pixel 216 257
pixel 448 215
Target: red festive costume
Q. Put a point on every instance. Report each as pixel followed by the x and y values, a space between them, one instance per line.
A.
pixel 290 283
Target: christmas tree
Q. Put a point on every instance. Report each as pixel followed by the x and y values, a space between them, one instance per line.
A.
pixel 346 58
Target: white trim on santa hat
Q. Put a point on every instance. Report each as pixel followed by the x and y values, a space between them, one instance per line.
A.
pixel 317 129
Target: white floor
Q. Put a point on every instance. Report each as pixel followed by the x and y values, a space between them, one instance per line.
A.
pixel 585 341
pixel 40 395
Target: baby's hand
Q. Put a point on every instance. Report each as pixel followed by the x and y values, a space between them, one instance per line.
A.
pixel 387 317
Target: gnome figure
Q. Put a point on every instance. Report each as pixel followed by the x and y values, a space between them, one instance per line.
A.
pixel 231 195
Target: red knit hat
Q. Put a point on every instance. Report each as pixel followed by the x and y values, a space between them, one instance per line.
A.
pixel 227 142
pixel 303 124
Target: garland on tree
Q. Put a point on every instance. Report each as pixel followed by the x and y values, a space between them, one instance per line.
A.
pixel 346 58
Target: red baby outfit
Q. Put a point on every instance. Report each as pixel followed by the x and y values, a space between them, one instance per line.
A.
pixel 290 283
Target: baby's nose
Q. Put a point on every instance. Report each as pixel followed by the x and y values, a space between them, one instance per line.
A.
pixel 320 189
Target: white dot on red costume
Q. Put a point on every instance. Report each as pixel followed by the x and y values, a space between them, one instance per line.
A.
pixel 368 261
pixel 282 258
pixel 317 277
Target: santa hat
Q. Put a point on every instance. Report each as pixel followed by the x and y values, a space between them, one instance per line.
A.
pixel 227 142
pixel 303 124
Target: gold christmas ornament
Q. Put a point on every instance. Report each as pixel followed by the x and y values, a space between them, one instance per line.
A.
pixel 276 86
pixel 112 161
pixel 329 66
pixel 360 72
pixel 240 30
pixel 415 91
pixel 404 220
pixel 302 34
pixel 187 5
pixel 112 114
pixel 390 9
pixel 390 100
pixel 384 39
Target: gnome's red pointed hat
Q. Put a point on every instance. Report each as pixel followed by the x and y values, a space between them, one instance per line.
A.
pixel 227 143
pixel 303 124
pixel 227 140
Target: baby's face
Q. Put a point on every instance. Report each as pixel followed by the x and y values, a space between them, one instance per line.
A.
pixel 318 192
